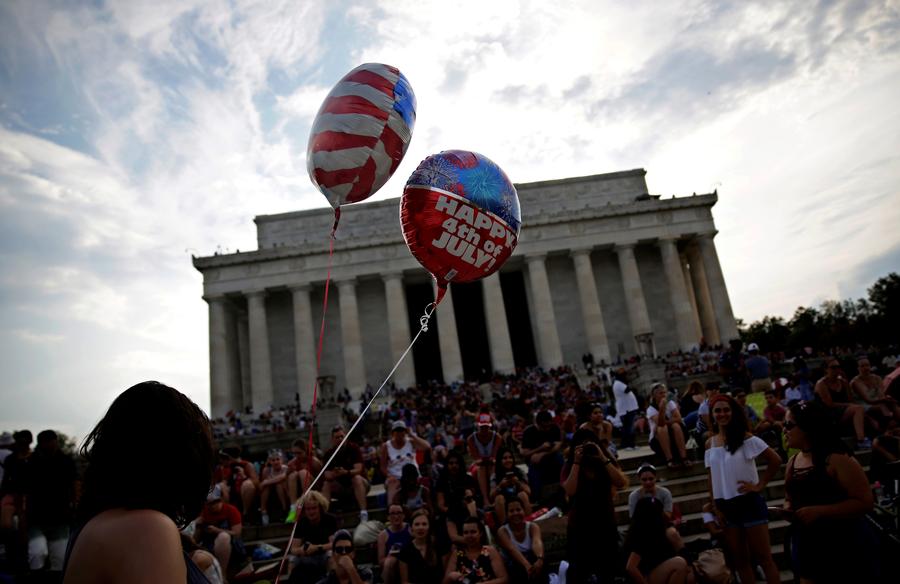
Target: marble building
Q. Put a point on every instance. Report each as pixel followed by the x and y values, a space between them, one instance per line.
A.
pixel 601 266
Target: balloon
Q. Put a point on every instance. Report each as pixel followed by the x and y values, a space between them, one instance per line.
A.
pixel 460 216
pixel 361 133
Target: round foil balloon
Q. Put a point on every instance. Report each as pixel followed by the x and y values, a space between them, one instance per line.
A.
pixel 460 216
pixel 361 133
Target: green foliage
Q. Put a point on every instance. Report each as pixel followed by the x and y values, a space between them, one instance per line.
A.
pixel 865 322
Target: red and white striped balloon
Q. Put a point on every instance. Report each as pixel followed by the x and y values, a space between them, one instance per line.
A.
pixel 361 133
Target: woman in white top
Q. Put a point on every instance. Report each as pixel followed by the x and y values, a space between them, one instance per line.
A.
pixel 736 489
pixel 523 548
pixel 666 428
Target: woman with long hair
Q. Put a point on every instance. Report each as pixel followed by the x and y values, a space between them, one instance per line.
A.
pixel 652 544
pixel 129 515
pixel 736 489
pixel 473 561
pixel 591 486
pixel 509 484
pixel 827 496
pixel 421 562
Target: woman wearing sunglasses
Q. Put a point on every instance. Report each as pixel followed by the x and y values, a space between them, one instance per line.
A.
pixel 342 565
pixel 737 491
pixel 827 496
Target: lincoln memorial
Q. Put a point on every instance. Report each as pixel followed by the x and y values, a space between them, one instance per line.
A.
pixel 601 267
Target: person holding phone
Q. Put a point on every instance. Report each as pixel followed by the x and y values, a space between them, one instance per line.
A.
pixel 315 532
pixel 389 543
pixel 510 483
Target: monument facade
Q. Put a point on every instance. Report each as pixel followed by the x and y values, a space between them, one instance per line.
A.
pixel 601 267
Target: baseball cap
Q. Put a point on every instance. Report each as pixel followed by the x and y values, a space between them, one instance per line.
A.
pixel 398 425
pixel 214 494
pixel 753 347
pixel 485 420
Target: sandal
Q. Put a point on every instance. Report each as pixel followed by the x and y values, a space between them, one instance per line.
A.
pixel 671 464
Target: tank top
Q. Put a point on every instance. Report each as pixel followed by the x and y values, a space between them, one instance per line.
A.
pixel 524 545
pixel 399 457
pixel 398 538
pixel 484 451
pixel 840 395
pixel 416 501
pixel 812 486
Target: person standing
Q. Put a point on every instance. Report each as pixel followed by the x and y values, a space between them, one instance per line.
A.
pixel 590 487
pixel 759 370
pixel 49 500
pixel 736 488
pixel 626 409
pixel 827 496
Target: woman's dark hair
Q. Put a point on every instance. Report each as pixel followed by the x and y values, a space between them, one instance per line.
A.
pixel 738 426
pixel 499 471
pixel 409 475
pixel 647 532
pixel 821 430
pixel 455 455
pixel 473 520
pixel 431 555
pixel 150 427
pixel 511 501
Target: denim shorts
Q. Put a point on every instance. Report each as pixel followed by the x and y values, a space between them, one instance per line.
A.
pixel 747 510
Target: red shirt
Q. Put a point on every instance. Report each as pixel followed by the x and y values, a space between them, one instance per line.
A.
pixel 226 518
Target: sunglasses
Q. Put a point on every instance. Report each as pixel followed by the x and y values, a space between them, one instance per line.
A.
pixel 343 549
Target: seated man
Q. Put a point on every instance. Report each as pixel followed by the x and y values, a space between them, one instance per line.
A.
pixel 237 478
pixel 342 568
pixel 274 479
pixel 346 473
pixel 774 412
pixel 219 529
pixel 541 447
pixel 647 475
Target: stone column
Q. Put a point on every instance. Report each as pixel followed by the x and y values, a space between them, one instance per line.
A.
pixel 688 336
pixel 548 336
pixel 304 345
pixel 717 289
pixel 243 336
pixel 224 383
pixel 695 312
pixel 634 295
pixel 260 362
pixel 448 339
pixel 398 328
pixel 354 367
pixel 497 326
pixel 704 302
pixel 598 344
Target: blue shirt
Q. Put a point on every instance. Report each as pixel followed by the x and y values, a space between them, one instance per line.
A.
pixel 758 366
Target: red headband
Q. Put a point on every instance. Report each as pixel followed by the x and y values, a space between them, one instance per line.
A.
pixel 717 398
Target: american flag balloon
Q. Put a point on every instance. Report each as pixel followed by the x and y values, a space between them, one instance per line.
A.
pixel 361 133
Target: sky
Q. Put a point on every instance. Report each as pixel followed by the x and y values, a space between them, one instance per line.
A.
pixel 134 134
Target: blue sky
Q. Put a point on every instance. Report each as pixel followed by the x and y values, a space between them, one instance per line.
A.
pixel 133 134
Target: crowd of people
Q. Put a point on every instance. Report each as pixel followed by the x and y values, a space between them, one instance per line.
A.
pixel 460 507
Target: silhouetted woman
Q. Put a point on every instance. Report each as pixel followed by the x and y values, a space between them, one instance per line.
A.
pixel 150 464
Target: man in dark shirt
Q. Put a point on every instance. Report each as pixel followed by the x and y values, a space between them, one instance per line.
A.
pixel 346 472
pixel 49 498
pixel 541 447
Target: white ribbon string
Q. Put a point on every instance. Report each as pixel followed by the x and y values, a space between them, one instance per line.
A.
pixel 423 327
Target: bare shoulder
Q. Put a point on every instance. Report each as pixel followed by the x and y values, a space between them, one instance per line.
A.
pixel 137 546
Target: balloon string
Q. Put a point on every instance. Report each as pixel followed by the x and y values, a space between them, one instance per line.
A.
pixel 423 327
pixel 315 399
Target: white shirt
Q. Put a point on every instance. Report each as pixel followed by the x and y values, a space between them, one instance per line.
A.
pixel 726 469
pixel 626 401
pixel 652 412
